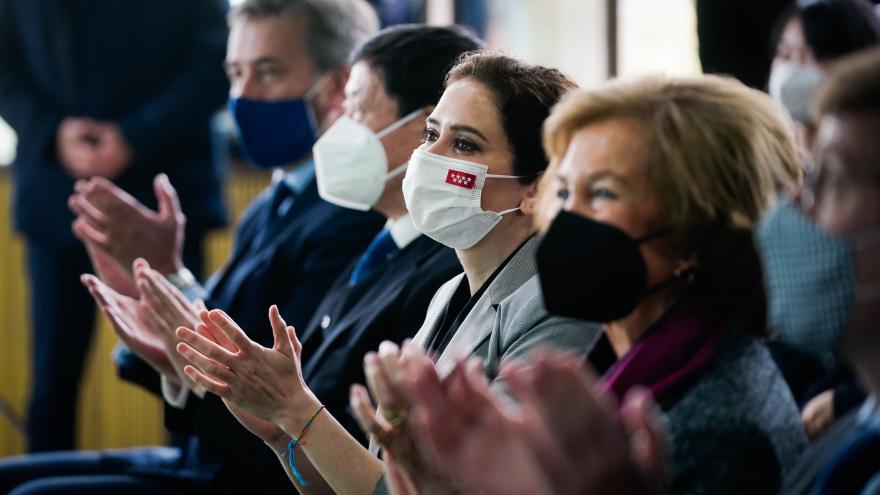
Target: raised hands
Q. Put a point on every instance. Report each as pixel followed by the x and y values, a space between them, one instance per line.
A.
pixel 147 323
pixel 561 436
pixel 265 382
pixel 112 223
pixel 386 374
pixel 135 323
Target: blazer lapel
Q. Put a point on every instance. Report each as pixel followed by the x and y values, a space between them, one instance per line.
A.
pixel 480 322
pixel 435 310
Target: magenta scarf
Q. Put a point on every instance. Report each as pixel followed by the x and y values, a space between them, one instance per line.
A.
pixel 673 352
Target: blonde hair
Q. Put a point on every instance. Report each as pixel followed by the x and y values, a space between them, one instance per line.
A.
pixel 720 151
pixel 719 155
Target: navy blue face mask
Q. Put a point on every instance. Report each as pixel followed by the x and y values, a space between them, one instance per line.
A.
pixel 275 133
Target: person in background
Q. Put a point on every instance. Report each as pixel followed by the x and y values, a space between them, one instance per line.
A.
pixel 809 37
pixel 102 89
pixel 843 198
pixel 806 271
pixel 654 188
pixel 287 62
pixel 471 186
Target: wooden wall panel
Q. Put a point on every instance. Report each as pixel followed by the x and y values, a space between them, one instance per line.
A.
pixel 112 413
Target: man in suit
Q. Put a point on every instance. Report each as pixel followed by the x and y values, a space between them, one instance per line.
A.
pixel 288 64
pixel 121 90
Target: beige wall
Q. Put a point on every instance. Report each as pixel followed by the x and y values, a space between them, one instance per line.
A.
pixel 112 413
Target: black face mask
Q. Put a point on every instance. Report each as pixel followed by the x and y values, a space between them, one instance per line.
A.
pixel 593 271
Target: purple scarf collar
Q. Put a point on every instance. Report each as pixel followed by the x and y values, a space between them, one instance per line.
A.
pixel 674 351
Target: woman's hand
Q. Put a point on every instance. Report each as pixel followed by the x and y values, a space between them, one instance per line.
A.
pixel 266 383
pixel 389 423
pixel 563 436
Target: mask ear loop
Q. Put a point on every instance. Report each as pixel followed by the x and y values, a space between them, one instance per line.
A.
pixel 494 176
pixel 399 123
pixel 393 127
pixel 318 86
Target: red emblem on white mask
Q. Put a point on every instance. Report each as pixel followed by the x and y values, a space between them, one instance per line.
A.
pixel 461 179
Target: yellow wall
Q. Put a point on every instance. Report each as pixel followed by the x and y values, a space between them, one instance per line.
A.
pixel 112 413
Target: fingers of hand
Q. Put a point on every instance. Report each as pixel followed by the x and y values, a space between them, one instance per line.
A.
pixel 224 323
pixel 380 386
pixel 279 331
pixel 214 386
pixel 365 414
pixel 206 347
pixel 211 368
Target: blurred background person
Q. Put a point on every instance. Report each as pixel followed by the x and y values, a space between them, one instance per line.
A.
pixel 843 198
pixel 108 89
pixel 807 271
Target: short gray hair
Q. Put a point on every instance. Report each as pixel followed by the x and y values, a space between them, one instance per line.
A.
pixel 334 27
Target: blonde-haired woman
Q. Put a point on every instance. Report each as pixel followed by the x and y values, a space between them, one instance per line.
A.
pixel 654 187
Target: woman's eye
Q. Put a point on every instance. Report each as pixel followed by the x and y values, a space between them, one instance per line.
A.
pixel 602 193
pixel 429 136
pixel 465 146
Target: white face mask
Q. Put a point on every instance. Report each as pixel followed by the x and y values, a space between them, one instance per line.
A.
pixel 793 85
pixel 350 163
pixel 443 196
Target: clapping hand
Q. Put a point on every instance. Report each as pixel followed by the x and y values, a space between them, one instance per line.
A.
pixel 265 382
pixel 561 436
pixel 386 374
pixel 115 224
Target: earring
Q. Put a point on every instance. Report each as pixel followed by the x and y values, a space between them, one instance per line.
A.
pixel 688 273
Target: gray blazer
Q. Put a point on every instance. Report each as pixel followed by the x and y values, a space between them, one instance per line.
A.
pixel 507 322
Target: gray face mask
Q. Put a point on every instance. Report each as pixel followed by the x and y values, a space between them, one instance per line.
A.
pixel 793 85
pixel 808 276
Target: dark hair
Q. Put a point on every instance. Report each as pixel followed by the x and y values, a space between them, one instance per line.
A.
pixel 832 28
pixel 524 94
pixel 334 27
pixel 412 60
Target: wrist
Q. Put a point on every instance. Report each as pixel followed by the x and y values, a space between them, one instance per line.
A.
pixel 295 415
pixel 278 443
pixel 181 278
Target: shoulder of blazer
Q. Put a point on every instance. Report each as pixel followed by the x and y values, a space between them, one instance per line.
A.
pixel 520 268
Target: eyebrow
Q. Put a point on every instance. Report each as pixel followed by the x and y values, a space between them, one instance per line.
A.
pixel 606 174
pixel 461 128
pixel 265 60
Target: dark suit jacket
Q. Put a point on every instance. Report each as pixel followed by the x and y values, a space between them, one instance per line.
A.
pixel 389 305
pixel 155 67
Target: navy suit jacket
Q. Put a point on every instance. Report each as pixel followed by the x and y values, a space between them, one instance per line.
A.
pixel 389 304
pixel 155 67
